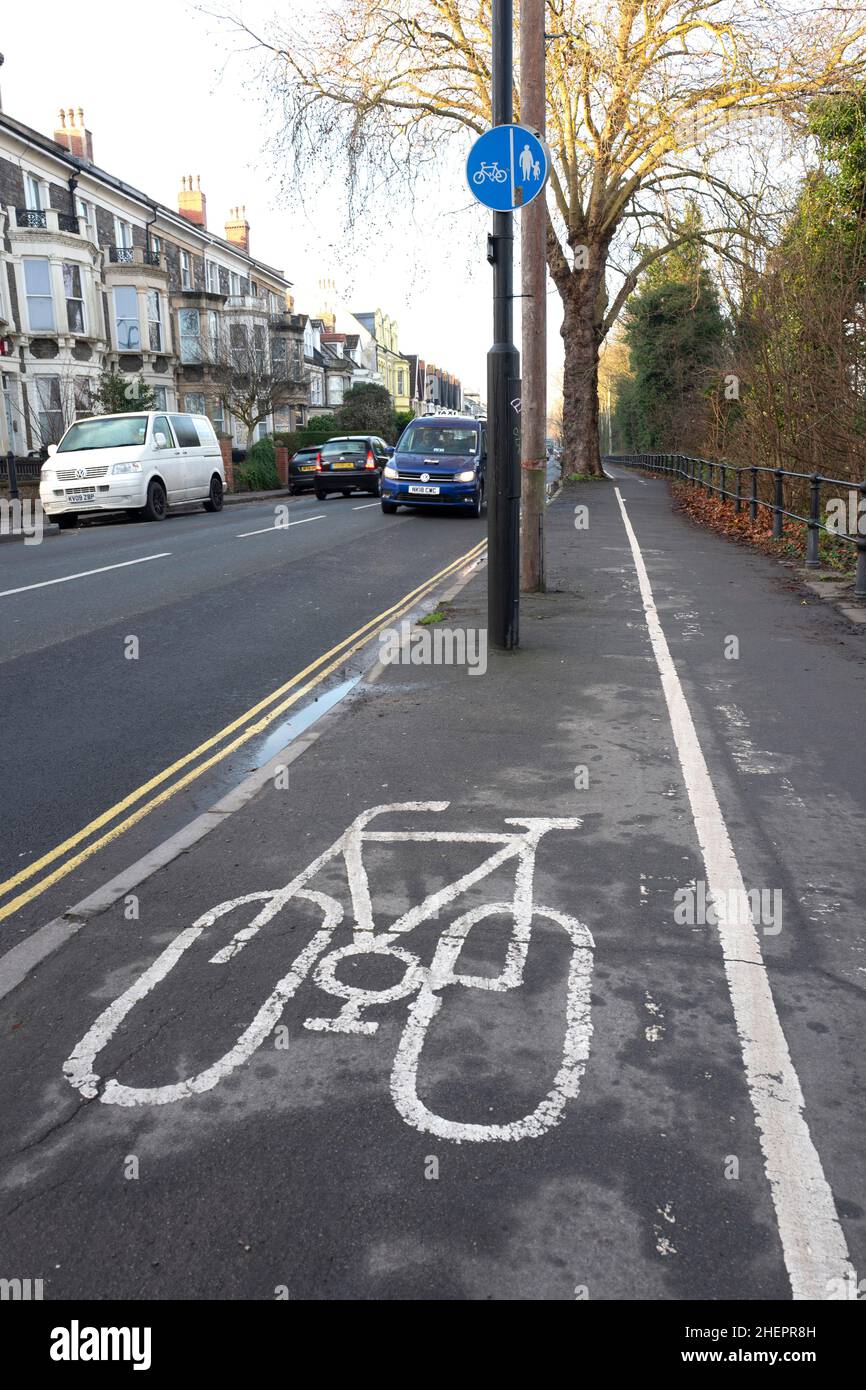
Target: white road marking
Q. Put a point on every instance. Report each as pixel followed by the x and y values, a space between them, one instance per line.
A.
pixel 430 984
pixel 364 505
pixel 83 574
pixel 279 526
pixel 813 1242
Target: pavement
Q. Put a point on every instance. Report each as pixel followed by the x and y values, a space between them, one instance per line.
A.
pixel 420 1015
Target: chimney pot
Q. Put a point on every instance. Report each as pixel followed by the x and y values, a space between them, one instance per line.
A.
pixel 62 119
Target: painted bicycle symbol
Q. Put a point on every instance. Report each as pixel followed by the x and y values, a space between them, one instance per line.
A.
pixel 427 986
pixel 491 172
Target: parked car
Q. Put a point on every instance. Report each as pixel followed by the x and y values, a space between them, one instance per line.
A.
pixel 144 462
pixel 439 461
pixel 302 468
pixel 349 462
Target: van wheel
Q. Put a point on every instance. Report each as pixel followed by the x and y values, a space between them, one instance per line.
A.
pixel 156 506
pixel 214 502
pixel 478 504
pixel 67 520
pixel 389 508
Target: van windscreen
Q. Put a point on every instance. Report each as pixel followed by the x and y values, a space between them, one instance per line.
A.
pixel 116 432
pixel 461 441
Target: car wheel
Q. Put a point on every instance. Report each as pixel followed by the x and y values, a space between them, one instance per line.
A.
pixel 294 490
pixel 389 508
pixel 346 491
pixel 67 520
pixel 214 502
pixel 156 506
pixel 320 496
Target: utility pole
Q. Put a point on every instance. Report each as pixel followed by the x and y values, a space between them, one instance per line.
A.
pixel 533 245
pixel 503 384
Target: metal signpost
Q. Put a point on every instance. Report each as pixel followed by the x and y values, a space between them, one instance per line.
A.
pixel 507 167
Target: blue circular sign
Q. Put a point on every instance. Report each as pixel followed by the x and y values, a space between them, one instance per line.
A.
pixel 507 167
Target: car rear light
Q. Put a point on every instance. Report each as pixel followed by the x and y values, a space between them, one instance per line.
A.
pixel 318 463
pixel 371 462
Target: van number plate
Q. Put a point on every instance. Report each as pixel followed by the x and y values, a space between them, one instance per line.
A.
pixel 80 496
pixel 428 491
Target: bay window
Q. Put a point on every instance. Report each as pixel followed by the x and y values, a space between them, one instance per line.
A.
pixel 49 409
pixel 190 336
pixel 74 296
pixel 40 306
pixel 154 320
pixel 126 319
pixel 193 403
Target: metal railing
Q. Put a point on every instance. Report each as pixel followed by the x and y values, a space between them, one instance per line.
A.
pixel 704 473
pixel 31 217
pixel 67 222
pixel 13 469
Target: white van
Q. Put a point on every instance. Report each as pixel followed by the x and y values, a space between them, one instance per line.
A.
pixel 146 462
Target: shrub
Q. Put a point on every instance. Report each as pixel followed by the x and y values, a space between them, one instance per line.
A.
pixel 258 472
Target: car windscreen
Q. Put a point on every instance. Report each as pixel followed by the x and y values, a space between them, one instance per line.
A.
pixel 117 432
pixel 343 448
pixel 461 441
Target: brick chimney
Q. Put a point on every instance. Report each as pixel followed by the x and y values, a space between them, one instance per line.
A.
pixel 238 228
pixel 191 202
pixel 72 134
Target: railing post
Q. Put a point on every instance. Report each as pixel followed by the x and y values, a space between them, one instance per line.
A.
pixel 778 504
pixel 723 470
pixel 812 531
pixel 753 499
pixel 12 474
pixel 860 581
pixel 738 491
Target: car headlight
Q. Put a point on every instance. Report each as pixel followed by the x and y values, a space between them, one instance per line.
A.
pixel 389 471
pixel 126 468
pixel 467 476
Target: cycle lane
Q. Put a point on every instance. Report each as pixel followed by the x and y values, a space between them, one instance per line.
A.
pixel 302 1168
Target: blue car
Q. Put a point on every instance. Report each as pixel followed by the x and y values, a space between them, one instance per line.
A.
pixel 439 461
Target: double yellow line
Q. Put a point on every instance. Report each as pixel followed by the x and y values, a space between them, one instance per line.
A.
pixel 169 779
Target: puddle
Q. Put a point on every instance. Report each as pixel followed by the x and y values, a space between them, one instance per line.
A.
pixel 299 722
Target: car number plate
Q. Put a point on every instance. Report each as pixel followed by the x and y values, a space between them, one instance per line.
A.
pixel 80 496
pixel 344 465
pixel 308 468
pixel 428 491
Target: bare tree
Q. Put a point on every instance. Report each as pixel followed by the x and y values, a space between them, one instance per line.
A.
pixel 252 381
pixel 642 95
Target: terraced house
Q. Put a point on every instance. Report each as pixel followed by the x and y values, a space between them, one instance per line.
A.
pixel 95 275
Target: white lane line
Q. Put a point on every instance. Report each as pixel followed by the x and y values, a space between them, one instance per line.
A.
pixel 813 1243
pixel 83 574
pixel 279 526
pixel 364 505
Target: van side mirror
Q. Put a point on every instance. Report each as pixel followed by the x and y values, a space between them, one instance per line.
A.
pixel 160 440
pixel 52 450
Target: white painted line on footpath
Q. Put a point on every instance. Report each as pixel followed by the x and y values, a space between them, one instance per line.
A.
pixel 84 574
pixel 813 1242
pixel 279 526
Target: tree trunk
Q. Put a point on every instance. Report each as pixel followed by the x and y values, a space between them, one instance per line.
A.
pixel 584 299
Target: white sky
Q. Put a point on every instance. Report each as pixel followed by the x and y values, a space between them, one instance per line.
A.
pixel 171 95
